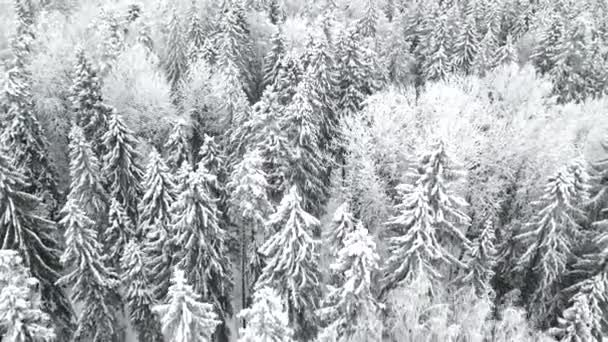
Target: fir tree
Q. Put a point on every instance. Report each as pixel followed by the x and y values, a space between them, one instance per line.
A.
pixel 506 53
pixel 117 234
pixel 272 60
pixel 184 317
pixel 481 264
pixel 177 147
pixel 352 307
pixel 92 284
pixel 176 59
pixel 21 317
pixel 266 319
pixel 212 160
pixel 487 47
pixel 367 24
pixel 24 229
pixel 342 223
pixel 196 35
pixel 200 243
pixel 138 294
pixel 549 241
pixel 90 113
pixel 291 262
pixel 438 50
pixel 85 187
pixel 121 166
pixel 159 185
pixel 466 46
pixel 576 323
pixel 248 206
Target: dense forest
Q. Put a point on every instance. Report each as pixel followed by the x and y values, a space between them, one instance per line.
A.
pixel 303 170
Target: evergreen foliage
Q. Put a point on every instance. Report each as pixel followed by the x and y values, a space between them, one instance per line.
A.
pixel 266 319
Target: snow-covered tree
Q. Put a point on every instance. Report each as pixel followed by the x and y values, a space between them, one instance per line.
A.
pixel 576 323
pixel 90 113
pixel 196 35
pixel 139 297
pixel 184 317
pixel 549 241
pixel 176 59
pixel 248 208
pixel 86 187
pixel 342 223
pixel 272 60
pixel 367 24
pixel 506 53
pixel 481 263
pixel 291 261
pixel 117 234
pixel 177 147
pixel 92 284
pixel 212 160
pixel 24 229
pixel 352 307
pixel 113 29
pixel 199 241
pixel 121 168
pixel 466 45
pixel 21 316
pixel 438 49
pixel 266 319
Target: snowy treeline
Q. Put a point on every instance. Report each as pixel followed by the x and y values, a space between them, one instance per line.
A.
pixel 282 170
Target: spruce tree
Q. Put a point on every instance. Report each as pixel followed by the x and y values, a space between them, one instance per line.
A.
pixel 367 24
pixel 196 35
pixel 576 323
pixel 549 241
pixel 249 207
pixel 466 45
pixel 92 284
pixel 438 51
pixel 481 263
pixel 352 307
pixel 266 319
pixel 121 167
pixel 342 223
pixel 21 315
pixel 176 60
pixel 506 53
pixel 272 60
pixel 199 241
pixel 177 147
pixel 85 187
pixel 117 234
pixel 184 317
pixel 291 262
pixel 90 113
pixel 212 160
pixel 139 297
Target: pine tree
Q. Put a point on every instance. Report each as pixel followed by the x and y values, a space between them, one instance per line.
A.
pixel 352 307
pixel 506 53
pixel 21 132
pixel 212 160
pixel 24 229
pixel 549 242
pixel 184 317
pixel 266 319
pixel 576 323
pixel 466 46
pixel 272 60
pixel 117 234
pixel 249 207
pixel 481 264
pixel 438 50
pixel 291 262
pixel 367 24
pixel 196 35
pixel 342 223
pixel 90 113
pixel 176 60
pixel 487 48
pixel 21 317
pixel 200 243
pixel 121 168
pixel 177 147
pixel 139 296
pixel 86 188
pixel 92 284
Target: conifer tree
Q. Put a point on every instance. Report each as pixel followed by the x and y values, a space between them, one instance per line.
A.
pixel 92 284
pixel 366 25
pixel 487 48
pixel 481 264
pixel 466 45
pixel 22 228
pixel 117 234
pixel 90 113
pixel 177 147
pixel 248 206
pixel 196 35
pixel 576 323
pixel 342 223
pixel 176 60
pixel 85 187
pixel 276 11
pixel 121 166
pixel 438 50
pixel 212 160
pixel 291 262
pixel 200 243
pixel 22 134
pixel 184 317
pixel 289 76
pixel 139 296
pixel 266 319
pixel 506 53
pixel 113 42
pixel 21 316
pixel 352 307
pixel 549 242
pixel 272 60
